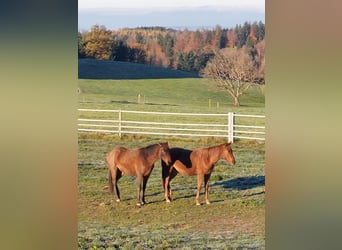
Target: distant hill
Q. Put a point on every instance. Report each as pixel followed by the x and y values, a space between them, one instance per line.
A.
pixel 102 69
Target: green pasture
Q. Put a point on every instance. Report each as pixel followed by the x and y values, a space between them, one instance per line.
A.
pixel 171 95
pixel 234 219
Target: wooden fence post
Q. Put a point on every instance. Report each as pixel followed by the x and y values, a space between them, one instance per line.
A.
pixel 231 127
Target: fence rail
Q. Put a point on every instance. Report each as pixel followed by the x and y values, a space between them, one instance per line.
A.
pixel 229 125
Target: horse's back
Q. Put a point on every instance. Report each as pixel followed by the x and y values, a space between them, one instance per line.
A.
pixel 182 155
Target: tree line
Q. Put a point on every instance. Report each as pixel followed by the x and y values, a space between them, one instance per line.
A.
pixel 177 49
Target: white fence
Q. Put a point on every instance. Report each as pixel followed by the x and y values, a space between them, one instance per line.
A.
pixel 229 125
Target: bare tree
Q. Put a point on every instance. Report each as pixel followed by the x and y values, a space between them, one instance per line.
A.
pixel 233 70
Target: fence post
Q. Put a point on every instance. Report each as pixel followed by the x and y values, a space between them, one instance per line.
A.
pixel 120 118
pixel 231 127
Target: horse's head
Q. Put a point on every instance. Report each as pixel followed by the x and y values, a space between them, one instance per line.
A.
pixel 165 152
pixel 228 154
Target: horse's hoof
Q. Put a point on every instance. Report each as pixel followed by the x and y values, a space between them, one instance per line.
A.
pixel 117 200
pixel 168 201
pixel 198 204
pixel 208 202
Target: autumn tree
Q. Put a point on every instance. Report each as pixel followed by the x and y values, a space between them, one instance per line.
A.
pixel 178 49
pixel 260 60
pixel 231 38
pixel 233 70
pixel 98 43
pixel 219 37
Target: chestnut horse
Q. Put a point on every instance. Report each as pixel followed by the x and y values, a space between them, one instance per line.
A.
pixel 137 162
pixel 198 162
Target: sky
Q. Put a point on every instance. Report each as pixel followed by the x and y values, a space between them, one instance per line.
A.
pixel 190 14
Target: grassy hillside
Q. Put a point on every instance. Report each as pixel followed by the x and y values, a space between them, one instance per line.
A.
pixel 183 94
pixel 103 69
pixel 117 84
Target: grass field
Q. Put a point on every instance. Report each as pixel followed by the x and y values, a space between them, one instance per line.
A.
pixel 183 94
pixel 234 219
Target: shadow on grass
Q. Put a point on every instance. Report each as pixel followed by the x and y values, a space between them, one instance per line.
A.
pixel 242 183
pixel 117 70
pixel 174 197
pixel 239 183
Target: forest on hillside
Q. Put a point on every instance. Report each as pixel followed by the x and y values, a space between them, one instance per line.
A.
pixel 177 49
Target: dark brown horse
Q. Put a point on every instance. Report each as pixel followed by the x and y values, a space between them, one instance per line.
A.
pixel 137 162
pixel 198 162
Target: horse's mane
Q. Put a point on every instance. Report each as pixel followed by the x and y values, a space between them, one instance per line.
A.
pixel 149 149
pixel 150 146
pixel 216 146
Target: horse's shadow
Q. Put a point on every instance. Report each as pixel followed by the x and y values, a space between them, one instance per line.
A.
pixel 242 183
pixel 239 183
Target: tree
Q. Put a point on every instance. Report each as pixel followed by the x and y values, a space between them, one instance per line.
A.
pixel 98 43
pixel 242 33
pixel 260 60
pixel 233 70
pixel 220 41
pixel 81 52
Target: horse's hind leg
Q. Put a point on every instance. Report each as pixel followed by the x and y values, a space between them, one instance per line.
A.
pixel 114 175
pixel 118 176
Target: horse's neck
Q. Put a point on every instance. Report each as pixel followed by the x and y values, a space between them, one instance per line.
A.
pixel 214 155
pixel 151 153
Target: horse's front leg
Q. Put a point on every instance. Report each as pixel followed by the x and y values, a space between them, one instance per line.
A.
pixel 173 173
pixel 166 186
pixel 139 189
pixel 165 180
pixel 206 185
pixel 168 175
pixel 145 179
pixel 199 186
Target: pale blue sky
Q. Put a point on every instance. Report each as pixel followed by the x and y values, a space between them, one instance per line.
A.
pixel 192 14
